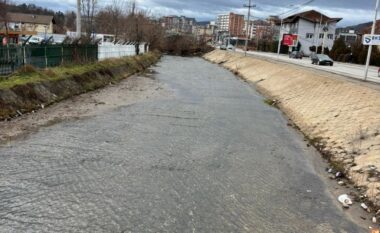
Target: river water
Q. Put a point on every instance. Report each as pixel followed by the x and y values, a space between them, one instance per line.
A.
pixel 211 158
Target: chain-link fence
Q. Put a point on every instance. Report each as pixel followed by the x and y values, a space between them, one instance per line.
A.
pixel 43 56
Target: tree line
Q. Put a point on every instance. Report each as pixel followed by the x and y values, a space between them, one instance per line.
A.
pixel 122 18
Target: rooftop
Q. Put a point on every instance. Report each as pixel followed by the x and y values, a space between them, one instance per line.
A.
pixel 30 18
pixel 312 16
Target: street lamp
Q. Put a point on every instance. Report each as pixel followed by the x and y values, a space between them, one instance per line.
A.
pixel 370 46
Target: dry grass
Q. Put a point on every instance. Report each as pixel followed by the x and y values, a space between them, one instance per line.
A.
pixel 29 74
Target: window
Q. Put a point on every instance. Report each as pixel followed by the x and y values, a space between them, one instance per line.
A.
pixel 309 35
pixel 320 35
pixel 330 36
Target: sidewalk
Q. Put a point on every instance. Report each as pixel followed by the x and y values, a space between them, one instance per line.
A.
pixel 349 70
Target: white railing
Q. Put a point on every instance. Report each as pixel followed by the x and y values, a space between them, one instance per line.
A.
pixel 111 50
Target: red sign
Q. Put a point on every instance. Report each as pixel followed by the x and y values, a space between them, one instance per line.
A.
pixel 289 39
pixel 5 41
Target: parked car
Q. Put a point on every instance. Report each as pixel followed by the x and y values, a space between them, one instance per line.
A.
pixel 32 40
pixel 296 54
pixel 321 59
pixel 231 47
pixel 223 47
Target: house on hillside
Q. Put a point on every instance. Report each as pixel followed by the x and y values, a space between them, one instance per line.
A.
pixel 313 29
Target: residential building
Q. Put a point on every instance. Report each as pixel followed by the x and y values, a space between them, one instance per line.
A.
pixel 222 22
pixel 260 29
pixel 274 20
pixel 205 32
pixel 231 23
pixel 178 24
pixel 313 29
pixel 30 23
pixel 251 28
pixel 20 24
pixel 349 36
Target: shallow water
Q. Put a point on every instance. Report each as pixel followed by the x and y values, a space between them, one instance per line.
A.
pixel 213 158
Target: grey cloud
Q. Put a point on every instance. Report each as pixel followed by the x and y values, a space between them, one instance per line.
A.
pixel 353 11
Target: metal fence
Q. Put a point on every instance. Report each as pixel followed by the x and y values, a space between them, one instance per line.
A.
pixel 42 56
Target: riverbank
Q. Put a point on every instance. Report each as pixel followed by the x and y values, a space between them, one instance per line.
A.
pixel 31 89
pixel 132 90
pixel 339 117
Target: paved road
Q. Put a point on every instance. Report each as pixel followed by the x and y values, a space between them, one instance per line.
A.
pixel 212 158
pixel 350 70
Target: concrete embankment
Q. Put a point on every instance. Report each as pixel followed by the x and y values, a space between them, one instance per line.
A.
pixel 340 117
pixel 29 96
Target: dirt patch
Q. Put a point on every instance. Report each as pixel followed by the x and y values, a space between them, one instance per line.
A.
pixel 340 117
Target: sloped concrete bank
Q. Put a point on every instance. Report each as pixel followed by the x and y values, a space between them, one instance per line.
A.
pixel 32 96
pixel 341 118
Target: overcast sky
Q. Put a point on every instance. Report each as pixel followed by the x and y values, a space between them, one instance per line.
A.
pixel 352 11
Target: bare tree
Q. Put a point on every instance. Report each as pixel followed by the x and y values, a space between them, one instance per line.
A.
pixel 111 18
pixel 89 8
pixel 70 18
pixel 135 23
pixel 4 15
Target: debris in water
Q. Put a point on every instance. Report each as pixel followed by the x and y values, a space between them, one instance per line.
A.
pixel 364 206
pixel 341 183
pixel 42 106
pixel 374 220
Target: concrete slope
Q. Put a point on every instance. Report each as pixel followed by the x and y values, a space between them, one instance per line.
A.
pixel 340 116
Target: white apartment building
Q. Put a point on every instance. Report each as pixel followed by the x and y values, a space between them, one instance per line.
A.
pixel 222 22
pixel 313 29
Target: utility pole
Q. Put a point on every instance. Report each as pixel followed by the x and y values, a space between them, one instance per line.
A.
pixel 279 39
pixel 249 6
pixel 79 23
pixel 370 46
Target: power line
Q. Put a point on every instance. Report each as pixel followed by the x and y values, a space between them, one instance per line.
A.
pixel 297 8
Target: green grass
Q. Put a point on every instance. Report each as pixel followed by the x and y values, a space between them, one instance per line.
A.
pixel 30 75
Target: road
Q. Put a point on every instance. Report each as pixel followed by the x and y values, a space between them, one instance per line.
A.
pixel 349 70
pixel 212 157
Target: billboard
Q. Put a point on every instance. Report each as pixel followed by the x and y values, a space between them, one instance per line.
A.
pixel 371 39
pixel 290 39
